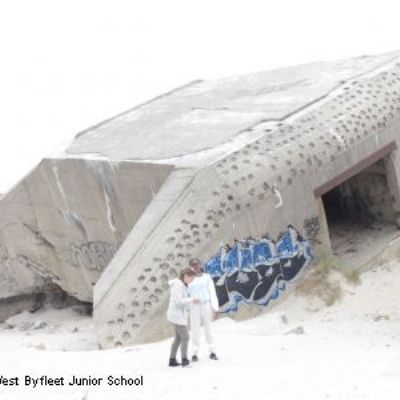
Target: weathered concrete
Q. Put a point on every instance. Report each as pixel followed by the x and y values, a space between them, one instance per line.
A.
pixel 208 119
pixel 189 172
pixel 66 219
pixel 259 188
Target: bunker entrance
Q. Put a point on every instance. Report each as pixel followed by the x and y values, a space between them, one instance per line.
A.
pixel 360 214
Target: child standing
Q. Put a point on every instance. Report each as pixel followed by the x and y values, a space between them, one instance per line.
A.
pixel 204 312
pixel 178 315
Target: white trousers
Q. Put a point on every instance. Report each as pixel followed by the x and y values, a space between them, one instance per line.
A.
pixel 201 314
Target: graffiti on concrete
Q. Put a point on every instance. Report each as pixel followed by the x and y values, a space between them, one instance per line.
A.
pixel 94 256
pixel 311 228
pixel 256 271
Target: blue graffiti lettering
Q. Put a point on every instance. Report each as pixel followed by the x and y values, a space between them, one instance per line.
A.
pixel 256 271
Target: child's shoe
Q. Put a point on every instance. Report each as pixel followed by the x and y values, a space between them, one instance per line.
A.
pixel 173 362
pixel 185 362
pixel 213 356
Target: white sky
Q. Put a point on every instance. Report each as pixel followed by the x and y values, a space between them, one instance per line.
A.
pixel 65 65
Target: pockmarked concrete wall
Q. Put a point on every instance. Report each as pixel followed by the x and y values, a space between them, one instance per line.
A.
pixel 256 191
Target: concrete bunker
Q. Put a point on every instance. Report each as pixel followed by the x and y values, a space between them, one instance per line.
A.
pixel 115 215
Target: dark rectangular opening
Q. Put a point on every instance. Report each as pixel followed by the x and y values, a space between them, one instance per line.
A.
pixel 360 213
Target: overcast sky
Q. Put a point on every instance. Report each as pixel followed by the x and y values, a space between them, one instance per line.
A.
pixel 66 65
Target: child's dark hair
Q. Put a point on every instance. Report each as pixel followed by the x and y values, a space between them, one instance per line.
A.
pixel 186 272
pixel 196 263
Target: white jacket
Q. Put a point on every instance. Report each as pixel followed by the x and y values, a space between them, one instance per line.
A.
pixel 202 288
pixel 179 303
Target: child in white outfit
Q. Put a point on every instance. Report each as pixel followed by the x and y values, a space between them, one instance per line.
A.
pixel 204 311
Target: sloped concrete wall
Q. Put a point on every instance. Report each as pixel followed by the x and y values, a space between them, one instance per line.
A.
pixel 65 221
pixel 207 214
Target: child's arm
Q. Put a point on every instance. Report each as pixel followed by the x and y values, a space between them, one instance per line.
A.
pixel 213 295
